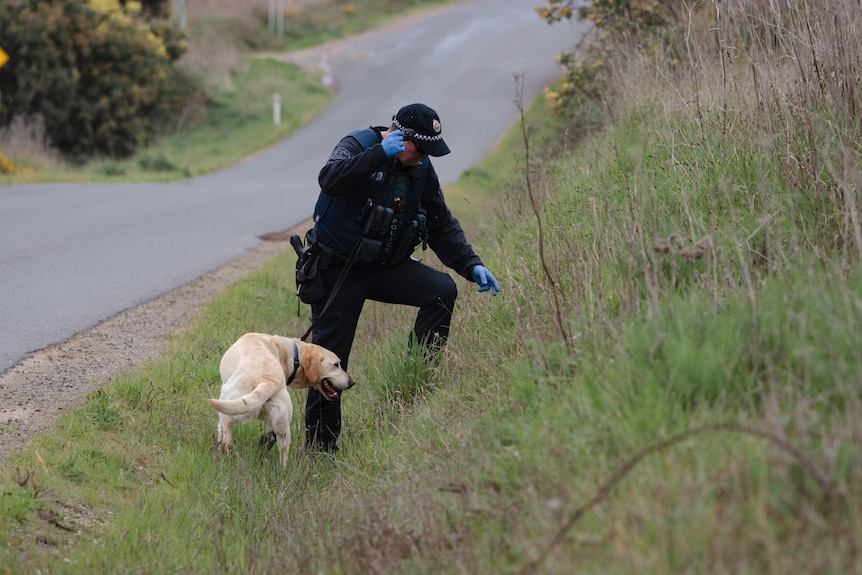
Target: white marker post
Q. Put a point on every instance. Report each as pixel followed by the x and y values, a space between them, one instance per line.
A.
pixel 276 108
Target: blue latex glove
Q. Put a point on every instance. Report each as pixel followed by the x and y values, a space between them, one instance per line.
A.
pixel 485 279
pixel 393 143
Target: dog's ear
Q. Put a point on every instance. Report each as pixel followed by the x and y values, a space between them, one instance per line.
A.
pixel 311 364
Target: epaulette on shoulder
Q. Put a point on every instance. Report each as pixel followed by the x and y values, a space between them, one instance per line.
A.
pixel 366 138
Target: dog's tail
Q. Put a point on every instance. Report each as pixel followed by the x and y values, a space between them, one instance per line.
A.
pixel 248 403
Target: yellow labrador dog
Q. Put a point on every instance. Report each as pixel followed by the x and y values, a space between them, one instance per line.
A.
pixel 255 373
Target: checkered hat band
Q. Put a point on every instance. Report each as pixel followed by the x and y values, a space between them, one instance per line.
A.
pixel 419 136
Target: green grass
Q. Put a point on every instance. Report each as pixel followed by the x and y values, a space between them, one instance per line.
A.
pixel 477 465
pixel 241 122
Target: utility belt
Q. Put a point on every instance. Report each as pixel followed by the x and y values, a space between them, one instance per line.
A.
pixel 386 240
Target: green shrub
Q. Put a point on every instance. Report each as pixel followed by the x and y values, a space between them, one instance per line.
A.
pixel 99 75
pixel 156 163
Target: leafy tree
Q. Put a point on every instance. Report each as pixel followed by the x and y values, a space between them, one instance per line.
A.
pixel 613 13
pixel 96 72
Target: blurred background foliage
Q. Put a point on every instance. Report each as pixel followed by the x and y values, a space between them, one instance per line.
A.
pixel 99 75
pixel 644 24
pixel 95 81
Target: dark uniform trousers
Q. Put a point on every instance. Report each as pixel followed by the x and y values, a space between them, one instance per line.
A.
pixel 410 283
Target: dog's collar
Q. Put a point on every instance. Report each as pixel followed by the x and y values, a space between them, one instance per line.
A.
pixel 295 363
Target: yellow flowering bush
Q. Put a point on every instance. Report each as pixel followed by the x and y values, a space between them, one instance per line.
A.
pixel 100 75
pixel 6 165
pixel 613 21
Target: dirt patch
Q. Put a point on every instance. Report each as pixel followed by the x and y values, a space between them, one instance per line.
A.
pixel 35 392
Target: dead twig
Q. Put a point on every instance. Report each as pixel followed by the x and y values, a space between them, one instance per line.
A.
pixel 602 493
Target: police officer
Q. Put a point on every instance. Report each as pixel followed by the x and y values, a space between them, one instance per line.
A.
pixel 379 199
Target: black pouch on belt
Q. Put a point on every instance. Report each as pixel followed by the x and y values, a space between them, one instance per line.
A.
pixel 309 279
pixel 373 234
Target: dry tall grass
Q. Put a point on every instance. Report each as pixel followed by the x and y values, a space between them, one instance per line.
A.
pixel 740 210
pixel 761 80
pixel 26 136
pixel 786 71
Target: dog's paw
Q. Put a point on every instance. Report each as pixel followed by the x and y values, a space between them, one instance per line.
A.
pixel 220 447
pixel 267 440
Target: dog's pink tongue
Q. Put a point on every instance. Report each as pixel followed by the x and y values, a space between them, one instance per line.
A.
pixel 329 390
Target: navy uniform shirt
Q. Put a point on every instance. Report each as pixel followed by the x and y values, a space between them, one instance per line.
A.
pixel 348 179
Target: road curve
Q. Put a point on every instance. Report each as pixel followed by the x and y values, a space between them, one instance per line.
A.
pixel 72 255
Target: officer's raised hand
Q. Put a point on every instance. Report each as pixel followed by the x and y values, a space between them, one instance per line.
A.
pixel 485 279
pixel 393 143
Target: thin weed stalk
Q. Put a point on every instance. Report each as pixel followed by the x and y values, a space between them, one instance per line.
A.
pixel 535 205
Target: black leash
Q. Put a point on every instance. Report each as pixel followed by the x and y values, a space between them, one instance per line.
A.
pixel 342 276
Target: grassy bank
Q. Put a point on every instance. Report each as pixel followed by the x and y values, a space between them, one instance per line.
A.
pixel 668 383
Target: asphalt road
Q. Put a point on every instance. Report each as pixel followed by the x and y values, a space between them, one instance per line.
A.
pixel 72 255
